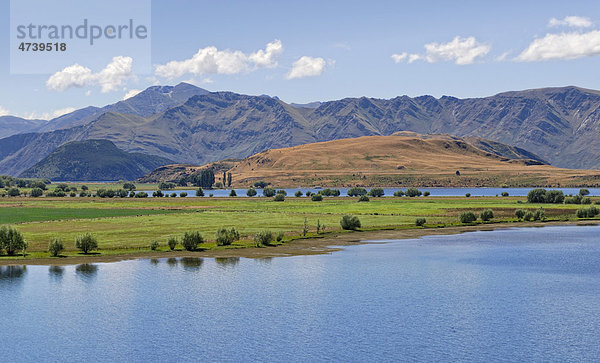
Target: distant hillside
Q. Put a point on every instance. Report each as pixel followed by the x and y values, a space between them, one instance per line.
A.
pixel 11 125
pixel 93 160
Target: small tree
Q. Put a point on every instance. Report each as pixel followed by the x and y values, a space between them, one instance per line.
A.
pixel 298 194
pixel 528 216
pixel 468 195
pixel 261 184
pixel 316 197
pixel 519 213
pixel 279 197
pixel 56 247
pixel 86 243
pixel 280 236
pixel 356 192
pixel 127 186
pixel 232 193
pixel 182 194
pixel 504 194
pixel 172 242
pixel 226 237
pixel 305 227
pixel 413 192
pixel 251 192
pixel 426 193
pixel 269 192
pixel 154 245
pixel 536 196
pixel 349 222
pixel 14 192
pixel 584 192
pixel 36 192
pixel 486 215
pixel 399 193
pixel 199 192
pixel 377 192
pixel 191 240
pixel 229 179
pixel 420 222
pixel 539 215
pixel 467 217
pixel 11 240
pixel 263 238
pixel 363 198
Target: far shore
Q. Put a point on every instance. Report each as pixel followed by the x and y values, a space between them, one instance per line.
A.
pixel 309 246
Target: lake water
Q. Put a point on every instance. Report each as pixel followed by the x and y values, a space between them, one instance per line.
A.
pixel 526 294
pixel 446 192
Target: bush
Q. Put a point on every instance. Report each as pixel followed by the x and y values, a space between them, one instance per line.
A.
pixel 356 192
pixel 555 196
pixel 38 184
pixel 349 222
pixel 199 192
pixel 14 192
pixel 56 193
pixel 589 212
pixel 584 192
pixel 172 242
pixel 282 192
pixel 468 195
pixel 268 192
pixel 486 215
pixel 158 194
pixel 263 238
pixel 330 192
pixel 520 213
pixel 279 197
pixel 56 247
pixel 419 222
pixel 86 243
pixel 426 193
pixel 122 193
pixel 11 240
pixel 468 217
pixel 280 236
pixel 504 194
pixel 84 187
pixel 413 192
pixel 226 237
pixel 539 215
pixel 574 199
pixel 316 197
pixel 586 200
pixel 105 193
pixel 298 194
pixel 173 195
pixel 183 194
pixel 141 195
pixel 251 192
pixel 377 192
pixel 399 193
pixel 36 192
pixel 363 198
pixel 154 245
pixel 166 185
pixel 261 184
pixel 126 186
pixel 73 194
pixel 232 193
pixel 529 216
pixel 536 196
pixel 191 240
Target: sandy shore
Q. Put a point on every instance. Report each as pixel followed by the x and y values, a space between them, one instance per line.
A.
pixel 309 246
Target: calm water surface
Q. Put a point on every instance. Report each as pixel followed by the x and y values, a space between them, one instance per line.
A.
pixel 528 294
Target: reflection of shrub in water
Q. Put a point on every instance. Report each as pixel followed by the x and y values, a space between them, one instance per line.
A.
pixel 12 272
pixel 227 261
pixel 86 270
pixel 154 261
pixel 56 271
pixel 172 262
pixel 191 263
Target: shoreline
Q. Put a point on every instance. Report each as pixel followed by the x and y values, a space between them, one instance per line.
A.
pixel 299 247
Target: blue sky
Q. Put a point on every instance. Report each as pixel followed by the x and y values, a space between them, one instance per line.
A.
pixel 324 50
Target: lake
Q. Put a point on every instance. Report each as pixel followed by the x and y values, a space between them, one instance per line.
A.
pixel 523 294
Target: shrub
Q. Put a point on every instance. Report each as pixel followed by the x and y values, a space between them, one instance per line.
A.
pixel 166 185
pixel 280 236
pixel 356 192
pixel 504 194
pixel 122 193
pixel 528 216
pixel 520 213
pixel 141 195
pixel 263 238
pixel 486 215
pixel 309 193
pixel 268 192
pixel 426 193
pixel 584 192
pixel 419 222
pixel 298 194
pixel 468 195
pixel 363 198
pixel 172 242
pixel 586 200
pixel 468 217
pixel 199 192
pixel 226 237
pixel 84 194
pixel 399 193
pixel 158 194
pixel 251 192
pixel 126 186
pixel 11 240
pixel 539 215
pixel 105 193
pixel 183 194
pixel 36 192
pixel 349 222
pixel 555 196
pixel 589 212
pixel 330 192
pixel 574 199
pixel 154 245
pixel 191 240
pixel 62 186
pixel 232 193
pixel 316 197
pixel 536 196
pixel 413 192
pixel 86 243
pixel 38 184
pixel 282 192
pixel 173 195
pixel 377 192
pixel 73 194
pixel 56 247
pixel 14 192
pixel 84 187
pixel 279 197
pixel 261 184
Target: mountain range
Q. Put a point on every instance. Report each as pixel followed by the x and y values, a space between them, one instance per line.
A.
pixel 188 124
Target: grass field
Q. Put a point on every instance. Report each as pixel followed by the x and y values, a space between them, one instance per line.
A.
pixel 129 225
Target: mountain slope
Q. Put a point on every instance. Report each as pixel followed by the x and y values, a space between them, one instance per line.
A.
pixel 11 125
pixel 93 160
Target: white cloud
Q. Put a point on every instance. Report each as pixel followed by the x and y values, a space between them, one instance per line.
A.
pixel 131 93
pixel 109 79
pixel 460 50
pixel 210 60
pixel 62 111
pixel 502 57
pixel 562 46
pixel 307 66
pixel 4 111
pixel 572 21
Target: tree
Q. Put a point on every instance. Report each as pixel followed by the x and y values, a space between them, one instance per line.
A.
pixel 298 194
pixel 224 178
pixel 172 242
pixel 468 217
pixel 413 192
pixel 38 184
pixel 56 247
pixel 281 191
pixel 86 243
pixel 251 192
pixel 226 237
pixel 536 196
pixel 316 197
pixel 584 192
pixel 279 197
pixel 589 212
pixel 377 192
pixel 363 198
pixel 126 186
pixel 356 192
pixel 158 194
pixel 519 213
pixel 191 240
pixel 486 215
pixel 426 193
pixel 11 240
pixel 14 192
pixel 183 194
pixel 199 192
pixel 269 192
pixel 504 194
pixel 419 222
pixel 263 238
pixel 206 179
pixel 399 193
pixel 229 179
pixel 349 222
pixel 260 184
pixel 554 196
pixel 36 192
pixel 232 193
pixel 166 185
pixel 84 187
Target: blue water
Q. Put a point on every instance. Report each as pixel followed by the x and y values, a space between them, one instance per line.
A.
pixel 527 294
pixel 445 192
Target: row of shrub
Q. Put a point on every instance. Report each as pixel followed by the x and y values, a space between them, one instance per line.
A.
pixel 540 195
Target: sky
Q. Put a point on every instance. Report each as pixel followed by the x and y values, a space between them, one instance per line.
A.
pixel 304 51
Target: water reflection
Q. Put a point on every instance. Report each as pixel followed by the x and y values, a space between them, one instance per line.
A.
pixel 191 263
pixel 56 272
pixel 86 271
pixel 154 261
pixel 227 261
pixel 265 260
pixel 172 262
pixel 11 273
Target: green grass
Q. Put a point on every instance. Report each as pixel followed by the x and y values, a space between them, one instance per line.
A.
pixel 131 224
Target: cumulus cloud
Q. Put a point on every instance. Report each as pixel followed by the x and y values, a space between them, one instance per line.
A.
pixel 460 50
pixel 4 111
pixel 572 21
pixel 109 79
pixel 307 67
pixel 131 93
pixel 562 46
pixel 211 60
